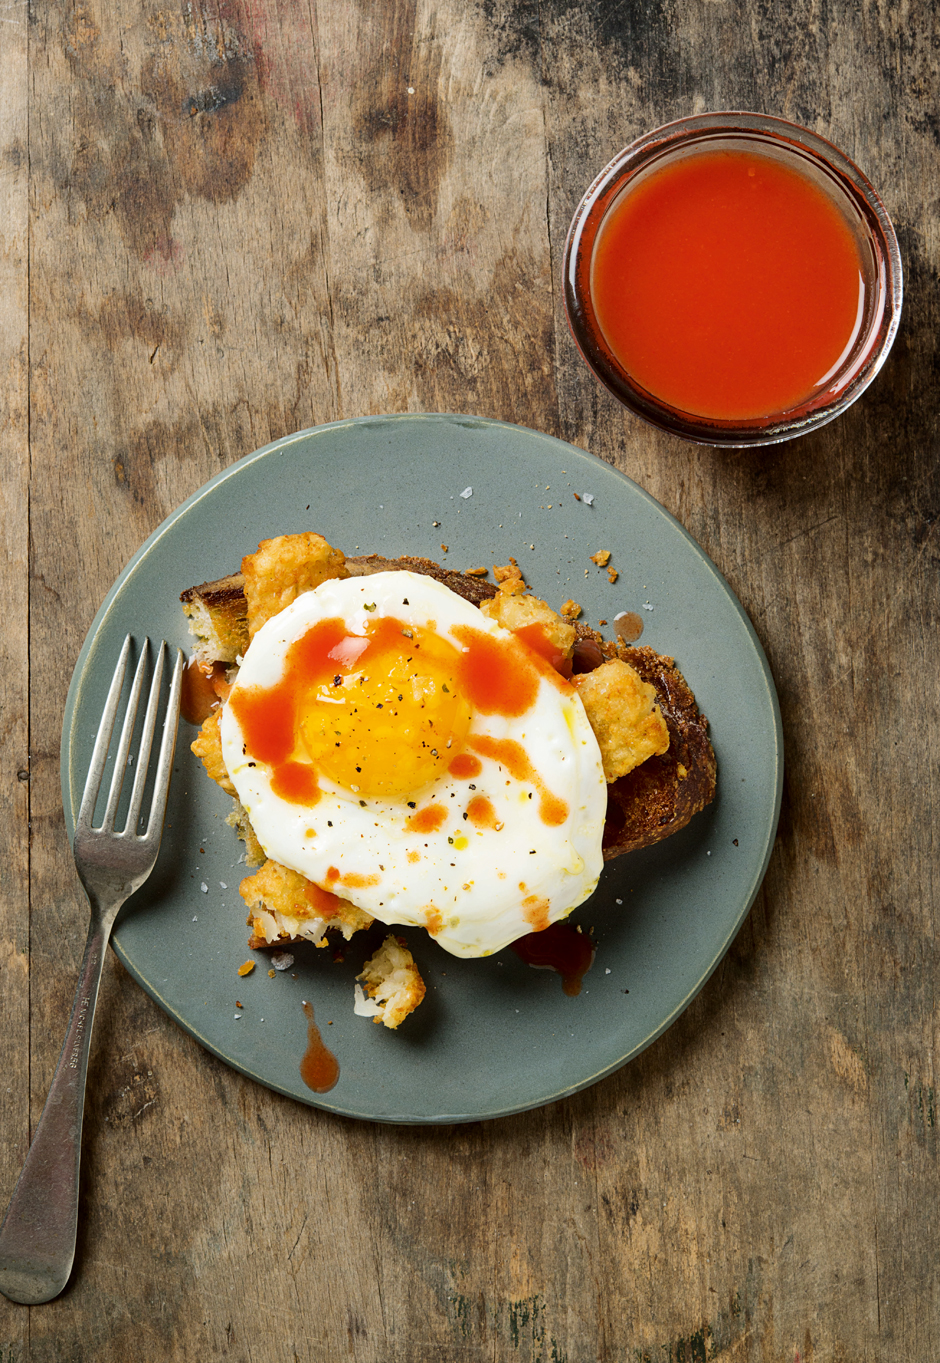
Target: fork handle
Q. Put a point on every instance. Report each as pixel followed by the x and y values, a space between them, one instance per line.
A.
pixel 37 1239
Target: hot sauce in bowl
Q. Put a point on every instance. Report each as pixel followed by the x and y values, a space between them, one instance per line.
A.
pixel 730 283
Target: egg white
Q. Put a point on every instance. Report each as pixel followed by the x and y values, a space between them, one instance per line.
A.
pixel 466 882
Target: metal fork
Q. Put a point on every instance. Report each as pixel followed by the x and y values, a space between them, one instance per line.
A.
pixel 37 1239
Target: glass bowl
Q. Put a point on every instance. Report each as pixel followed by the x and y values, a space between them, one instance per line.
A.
pixel 845 188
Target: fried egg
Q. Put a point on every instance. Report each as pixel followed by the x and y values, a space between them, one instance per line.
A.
pixel 399 749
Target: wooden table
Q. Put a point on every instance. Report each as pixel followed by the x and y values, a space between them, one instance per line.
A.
pixel 224 222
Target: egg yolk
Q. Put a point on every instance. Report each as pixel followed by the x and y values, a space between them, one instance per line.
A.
pixel 392 725
pixel 384 712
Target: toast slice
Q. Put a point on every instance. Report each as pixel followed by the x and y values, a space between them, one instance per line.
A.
pixel 645 806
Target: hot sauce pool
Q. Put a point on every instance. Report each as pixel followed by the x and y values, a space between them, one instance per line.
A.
pixel 733 279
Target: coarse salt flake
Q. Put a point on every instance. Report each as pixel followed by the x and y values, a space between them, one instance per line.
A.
pixel 467 492
pixel 587 498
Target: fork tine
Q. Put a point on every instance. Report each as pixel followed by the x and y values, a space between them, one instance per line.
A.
pixel 103 741
pixel 167 749
pixel 146 743
pixel 124 743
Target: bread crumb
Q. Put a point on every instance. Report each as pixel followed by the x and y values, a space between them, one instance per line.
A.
pixel 247 968
pixel 612 574
pixel 507 571
pixel 443 548
pixel 601 558
pixel 476 572
pixel 571 610
pixel 509 577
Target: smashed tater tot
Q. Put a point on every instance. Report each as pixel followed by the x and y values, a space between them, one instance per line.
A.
pixel 620 707
pixel 284 568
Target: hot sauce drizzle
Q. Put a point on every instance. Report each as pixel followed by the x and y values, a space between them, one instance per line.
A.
pixel 465 766
pixel 481 814
pixel 498 676
pixel 203 689
pixel 535 637
pixel 427 820
pixel 513 756
pixel 319 1068
pixel 559 947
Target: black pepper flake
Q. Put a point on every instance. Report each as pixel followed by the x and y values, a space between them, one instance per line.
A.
pixel 411 804
pixel 466 815
pixel 329 823
pixel 363 803
pixel 337 680
pixel 472 786
pixel 406 602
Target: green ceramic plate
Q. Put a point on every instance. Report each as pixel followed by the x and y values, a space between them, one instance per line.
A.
pixel 493 1036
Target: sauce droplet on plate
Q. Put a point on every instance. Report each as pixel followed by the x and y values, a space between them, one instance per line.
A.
pixel 559 947
pixel 319 1068
pixel 629 626
pixel 200 691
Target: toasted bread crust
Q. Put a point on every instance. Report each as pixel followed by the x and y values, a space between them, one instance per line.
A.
pixel 473 589
pixel 659 797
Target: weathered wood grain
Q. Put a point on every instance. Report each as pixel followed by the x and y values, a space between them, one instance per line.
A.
pixel 14 642
pixel 249 216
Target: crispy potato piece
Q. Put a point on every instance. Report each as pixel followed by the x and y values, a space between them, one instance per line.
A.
pixel 621 708
pixel 285 906
pixel 517 612
pixel 207 745
pixel 283 569
pixel 238 819
pixel 392 982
